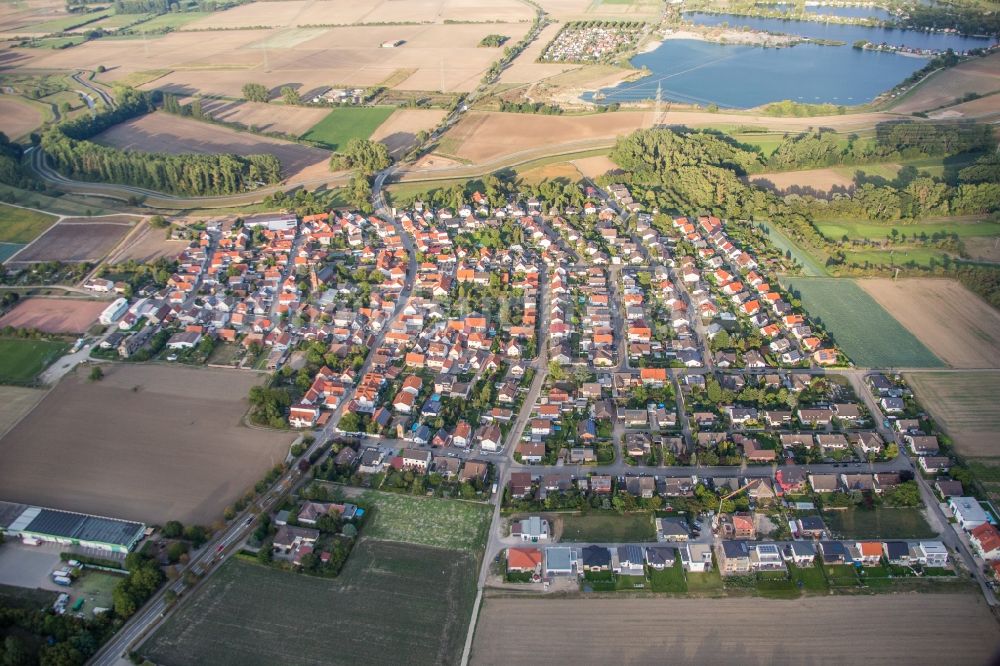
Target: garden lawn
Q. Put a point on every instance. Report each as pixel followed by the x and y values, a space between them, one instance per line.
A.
pixel 879 523
pixel 812 578
pixel 609 527
pixel 859 326
pixel 19 225
pixel 669 580
pixel 21 360
pixel 347 123
pixel 704 582
pixel 426 521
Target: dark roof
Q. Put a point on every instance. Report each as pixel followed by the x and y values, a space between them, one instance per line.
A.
pixel 661 554
pixel 86 528
pixel 897 549
pixel 735 549
pixel 596 556
pixel 833 551
pixel 812 523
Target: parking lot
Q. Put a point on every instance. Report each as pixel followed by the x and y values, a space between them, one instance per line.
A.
pixel 29 566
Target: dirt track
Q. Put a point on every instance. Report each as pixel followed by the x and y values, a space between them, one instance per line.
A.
pixel 949 319
pixel 54 315
pixel 150 443
pixel 910 629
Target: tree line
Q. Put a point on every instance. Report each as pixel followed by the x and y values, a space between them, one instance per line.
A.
pixel 192 174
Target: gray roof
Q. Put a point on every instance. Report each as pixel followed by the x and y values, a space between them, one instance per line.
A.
pixel 630 553
pixel 596 556
pixel 661 554
pixel 735 549
pixel 801 548
pixel 51 522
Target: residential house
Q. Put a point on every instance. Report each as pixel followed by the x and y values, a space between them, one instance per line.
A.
pixel 520 484
pixel 869 552
pixel 532 529
pixel 660 557
pixel 734 557
pixel 985 539
pixel 672 529
pixel 629 560
pixel 801 553
pixel 897 552
pixel 522 560
pixel 696 557
pixel 561 560
pixel 968 512
pixel 766 557
pixel 595 558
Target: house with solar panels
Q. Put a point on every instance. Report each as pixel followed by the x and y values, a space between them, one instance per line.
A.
pixel 33 524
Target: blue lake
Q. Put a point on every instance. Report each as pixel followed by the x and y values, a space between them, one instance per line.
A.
pixel 737 76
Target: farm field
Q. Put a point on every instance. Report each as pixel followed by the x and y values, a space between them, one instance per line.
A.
pixel 955 324
pixel 163 132
pixel 434 522
pixel 392 603
pixel 810 266
pixel 343 124
pixel 303 13
pixel 74 241
pixel 981 75
pixel 879 523
pixel 15 402
pixel 62 23
pixel 17 117
pixel 291 120
pixel 20 225
pixel 613 528
pixel 593 167
pixel 399 132
pixel 965 405
pixel 172 20
pixel 860 327
pixel 150 244
pixel 919 256
pixel 812 181
pixel 172 443
pixel 8 250
pixel 558 171
pixel 880 627
pixel 54 315
pixel 22 360
pixel 962 227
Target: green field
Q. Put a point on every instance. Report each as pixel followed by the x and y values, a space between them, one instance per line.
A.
pixel 609 528
pixel 96 587
pixel 21 361
pixel 393 603
pixel 809 264
pixel 860 327
pixel 344 124
pixel 920 256
pixel 705 583
pixel 171 20
pixel 427 521
pixel 61 205
pixel 837 229
pixel 8 250
pixel 58 42
pixel 66 22
pixel 879 523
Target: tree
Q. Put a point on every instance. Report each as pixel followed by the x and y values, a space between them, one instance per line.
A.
pixel 365 155
pixel 556 372
pixel 290 95
pixel 350 422
pixel 350 530
pixel 173 529
pixel 96 374
pixel 906 494
pixel 255 92
pixel 175 550
pixel 158 222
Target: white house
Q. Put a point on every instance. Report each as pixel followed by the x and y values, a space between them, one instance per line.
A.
pixel 967 512
pixel 697 557
pixel 113 311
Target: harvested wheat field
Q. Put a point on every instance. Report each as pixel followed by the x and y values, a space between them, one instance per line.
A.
pixel 595 167
pixel 54 315
pixel 980 75
pixel 17 15
pixel 76 240
pixel 562 171
pixel 481 137
pixel 163 132
pixel 149 443
pixel 290 120
pixel 15 402
pixel 966 405
pixel 983 248
pixel 399 132
pixel 950 320
pixel 811 630
pixel 148 245
pixel 812 181
pixel 343 12
pixel 17 118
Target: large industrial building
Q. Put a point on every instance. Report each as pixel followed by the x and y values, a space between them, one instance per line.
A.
pixel 34 524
